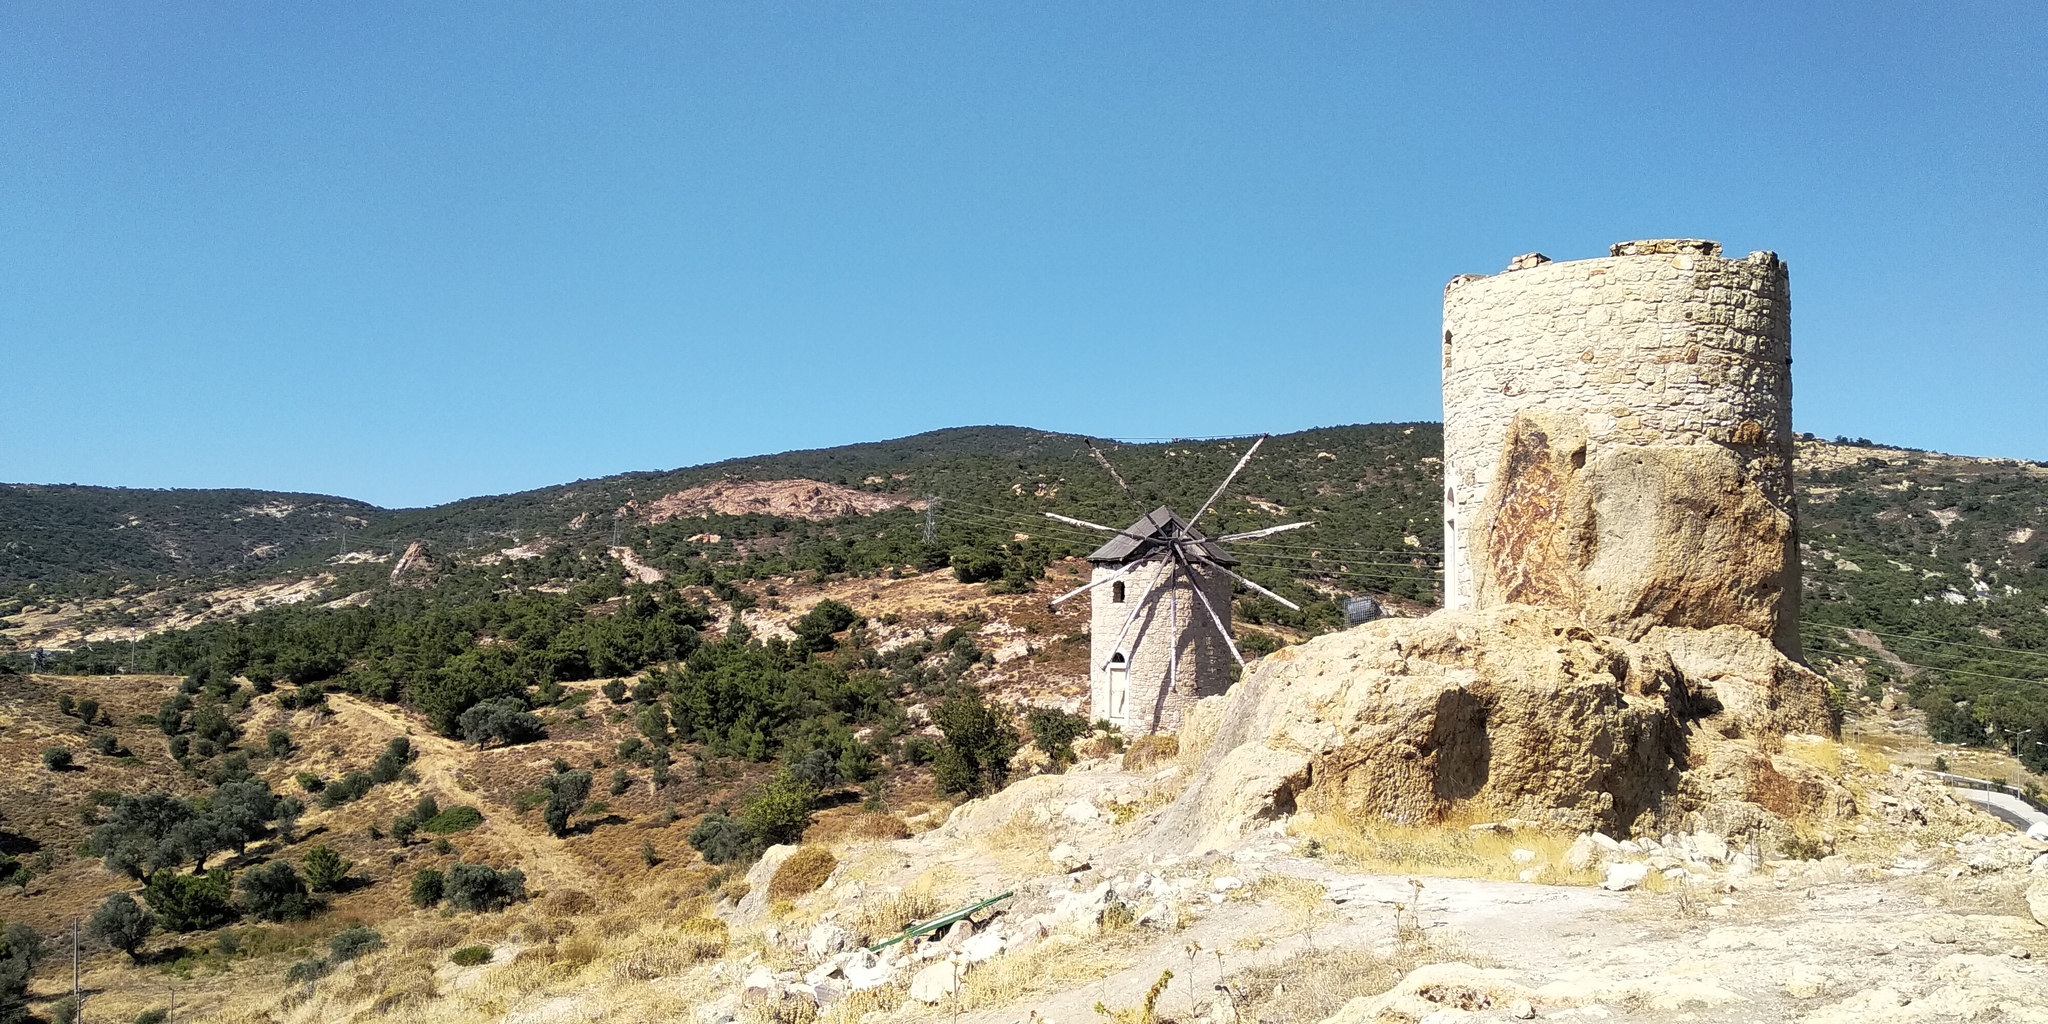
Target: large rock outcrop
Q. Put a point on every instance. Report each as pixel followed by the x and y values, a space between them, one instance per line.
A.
pixel 1631 536
pixel 1517 710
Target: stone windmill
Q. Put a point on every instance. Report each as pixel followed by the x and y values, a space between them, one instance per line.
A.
pixel 1160 638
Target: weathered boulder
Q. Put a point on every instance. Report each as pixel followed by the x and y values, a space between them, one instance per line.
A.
pixel 935 983
pixel 755 903
pixel 1629 537
pixel 1514 709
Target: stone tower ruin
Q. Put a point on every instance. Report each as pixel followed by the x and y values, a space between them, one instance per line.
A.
pixel 1618 440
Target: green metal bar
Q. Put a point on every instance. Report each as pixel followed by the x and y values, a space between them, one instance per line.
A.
pixel 917 928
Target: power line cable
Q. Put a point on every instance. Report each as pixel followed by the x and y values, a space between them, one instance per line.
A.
pixel 1927 640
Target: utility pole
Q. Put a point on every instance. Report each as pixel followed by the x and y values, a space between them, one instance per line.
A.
pixel 931 504
pixel 77 1007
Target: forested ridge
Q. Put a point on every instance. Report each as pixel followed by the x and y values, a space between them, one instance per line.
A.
pixel 1943 557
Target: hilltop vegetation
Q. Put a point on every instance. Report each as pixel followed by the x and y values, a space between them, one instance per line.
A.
pixel 1945 556
pixel 94 539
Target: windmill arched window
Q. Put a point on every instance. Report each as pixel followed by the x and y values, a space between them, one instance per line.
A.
pixel 1116 594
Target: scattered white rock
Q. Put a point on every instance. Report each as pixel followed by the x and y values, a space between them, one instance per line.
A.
pixel 826 939
pixel 760 986
pixel 1711 846
pixel 983 947
pixel 1081 812
pixel 1583 854
pixel 865 972
pixel 1520 856
pixel 935 983
pixel 2037 899
pixel 1624 876
pixel 1066 858
pixel 1227 883
pixel 1606 842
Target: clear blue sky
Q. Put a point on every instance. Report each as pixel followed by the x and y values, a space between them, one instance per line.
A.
pixel 412 255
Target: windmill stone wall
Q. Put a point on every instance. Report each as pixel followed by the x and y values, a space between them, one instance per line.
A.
pixel 1168 616
pixel 1618 439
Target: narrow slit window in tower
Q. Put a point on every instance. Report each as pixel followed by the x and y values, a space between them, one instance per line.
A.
pixel 1116 592
pixel 1119 685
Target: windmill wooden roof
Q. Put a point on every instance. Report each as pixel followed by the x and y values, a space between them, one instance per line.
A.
pixel 1150 534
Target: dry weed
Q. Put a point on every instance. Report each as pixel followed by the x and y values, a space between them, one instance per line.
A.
pixel 802 873
pixel 1449 849
pixel 1312 984
pixel 879 917
pixel 1052 965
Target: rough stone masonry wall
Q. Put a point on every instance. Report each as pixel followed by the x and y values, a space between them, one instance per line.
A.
pixel 1618 439
pixel 1169 614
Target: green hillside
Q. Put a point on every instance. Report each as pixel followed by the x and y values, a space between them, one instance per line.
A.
pixel 65 535
pixel 1944 559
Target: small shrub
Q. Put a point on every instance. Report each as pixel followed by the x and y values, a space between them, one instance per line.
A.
pixel 57 759
pixel 123 924
pixel 480 887
pixel 1054 731
pixel 620 781
pixel 155 1016
pixel 308 971
pixel 353 942
pixel 802 873
pixel 390 765
pixel 428 885
pixel 325 870
pixel 504 720
pixel 460 818
pixel 566 793
pixel 275 892
pixel 403 828
pixel 310 782
pixel 186 903
pixel 108 744
pixel 470 956
pixel 720 839
pixel 614 690
pixel 279 743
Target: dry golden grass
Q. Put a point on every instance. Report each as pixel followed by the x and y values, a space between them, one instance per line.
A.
pixel 1450 849
pixel 880 916
pixel 802 873
pixel 1148 752
pixel 1314 983
pixel 1057 963
pixel 868 826
pixel 1019 847
pixel 1296 895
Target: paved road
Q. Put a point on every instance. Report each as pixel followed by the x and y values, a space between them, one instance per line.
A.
pixel 2004 806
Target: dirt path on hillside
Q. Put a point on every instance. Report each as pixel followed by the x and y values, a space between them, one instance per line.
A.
pixel 440 763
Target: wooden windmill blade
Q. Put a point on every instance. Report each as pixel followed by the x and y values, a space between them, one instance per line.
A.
pixel 1267 532
pixel 1086 587
pixel 1239 468
pixel 1195 582
pixel 1080 522
pixel 1254 587
pixel 1139 604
